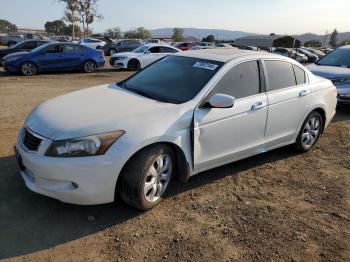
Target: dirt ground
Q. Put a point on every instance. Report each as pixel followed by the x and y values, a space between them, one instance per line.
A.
pixel 278 206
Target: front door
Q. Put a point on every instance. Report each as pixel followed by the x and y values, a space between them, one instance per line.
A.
pixel 223 135
pixel 51 58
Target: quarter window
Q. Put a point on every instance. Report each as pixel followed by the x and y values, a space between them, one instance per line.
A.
pixel 280 75
pixel 299 75
pixel 165 49
pixel 241 81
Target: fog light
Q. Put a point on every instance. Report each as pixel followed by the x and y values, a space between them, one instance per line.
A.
pixel 75 185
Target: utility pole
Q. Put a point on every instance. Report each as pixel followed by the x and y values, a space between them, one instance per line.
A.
pixel 325 39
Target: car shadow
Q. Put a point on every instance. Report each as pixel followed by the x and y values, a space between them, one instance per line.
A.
pixel 31 222
pixel 343 113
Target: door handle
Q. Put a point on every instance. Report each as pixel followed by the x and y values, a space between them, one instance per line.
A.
pixel 257 106
pixel 303 93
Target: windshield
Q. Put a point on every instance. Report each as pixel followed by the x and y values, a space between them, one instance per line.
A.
pixel 141 49
pixel 173 79
pixel 339 57
pixel 39 48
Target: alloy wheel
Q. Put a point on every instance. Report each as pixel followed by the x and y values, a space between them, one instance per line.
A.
pixel 90 67
pixel 158 178
pixel 28 69
pixel 311 132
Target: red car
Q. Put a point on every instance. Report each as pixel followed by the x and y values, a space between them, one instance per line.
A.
pixel 185 46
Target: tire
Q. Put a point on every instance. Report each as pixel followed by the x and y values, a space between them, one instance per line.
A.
pixel 112 51
pixel 310 132
pixel 143 180
pixel 29 69
pixel 134 65
pixel 90 66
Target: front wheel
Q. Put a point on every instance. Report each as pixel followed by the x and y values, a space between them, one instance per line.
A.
pixel 29 69
pixel 134 65
pixel 146 177
pixel 310 132
pixel 89 67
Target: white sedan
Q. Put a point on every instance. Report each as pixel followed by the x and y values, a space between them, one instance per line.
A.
pixel 92 43
pixel 184 114
pixel 141 57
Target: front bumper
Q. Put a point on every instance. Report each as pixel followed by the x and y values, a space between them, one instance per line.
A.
pixel 118 64
pixel 81 180
pixel 343 94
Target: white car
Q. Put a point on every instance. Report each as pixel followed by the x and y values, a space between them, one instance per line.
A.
pixel 187 113
pixel 92 43
pixel 141 57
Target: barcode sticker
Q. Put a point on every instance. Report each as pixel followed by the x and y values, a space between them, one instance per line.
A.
pixel 205 65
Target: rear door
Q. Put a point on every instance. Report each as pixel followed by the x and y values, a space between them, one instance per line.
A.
pixel 72 57
pixel 289 98
pixel 223 135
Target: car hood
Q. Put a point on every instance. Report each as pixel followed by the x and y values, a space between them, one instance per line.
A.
pixel 329 72
pixel 97 110
pixel 127 54
pixel 18 54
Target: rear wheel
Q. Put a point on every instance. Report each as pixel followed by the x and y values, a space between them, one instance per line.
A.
pixel 310 132
pixel 134 65
pixel 146 177
pixel 89 66
pixel 29 69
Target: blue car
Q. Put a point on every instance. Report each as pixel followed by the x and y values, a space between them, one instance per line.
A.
pixel 54 57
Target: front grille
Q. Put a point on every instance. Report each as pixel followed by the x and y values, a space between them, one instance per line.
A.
pixel 30 141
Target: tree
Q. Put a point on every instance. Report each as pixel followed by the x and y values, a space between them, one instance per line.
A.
pixel 114 33
pixel 7 27
pixel 209 38
pixel 55 27
pixel 178 34
pixel 334 38
pixel 68 30
pixel 313 43
pixel 71 13
pixel 139 33
pixel 87 10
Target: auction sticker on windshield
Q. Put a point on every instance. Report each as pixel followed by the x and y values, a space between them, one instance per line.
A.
pixel 205 65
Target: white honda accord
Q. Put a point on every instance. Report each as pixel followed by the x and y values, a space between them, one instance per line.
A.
pixel 184 114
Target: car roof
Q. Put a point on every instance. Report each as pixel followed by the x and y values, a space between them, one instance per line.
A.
pixel 345 47
pixel 223 55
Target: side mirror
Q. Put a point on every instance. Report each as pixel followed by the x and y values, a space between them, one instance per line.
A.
pixel 42 53
pixel 221 101
pixel 147 52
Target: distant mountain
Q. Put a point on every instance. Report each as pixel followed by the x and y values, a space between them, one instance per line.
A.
pixel 309 36
pixel 200 33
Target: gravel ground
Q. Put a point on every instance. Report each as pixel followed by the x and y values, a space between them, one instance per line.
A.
pixel 278 206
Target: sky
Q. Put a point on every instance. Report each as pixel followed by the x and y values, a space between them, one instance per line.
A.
pixel 254 16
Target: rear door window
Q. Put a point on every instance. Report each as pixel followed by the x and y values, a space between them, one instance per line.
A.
pixel 300 75
pixel 280 75
pixel 29 45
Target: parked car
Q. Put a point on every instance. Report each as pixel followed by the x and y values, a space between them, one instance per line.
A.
pixel 12 39
pixel 311 57
pixel 54 57
pixel 121 46
pixel 92 43
pixel 141 57
pixel 152 41
pixel 335 66
pixel 198 47
pixel 62 38
pixel 184 46
pixel 20 47
pixel 299 56
pixel 281 51
pixel 186 113
pixel 319 53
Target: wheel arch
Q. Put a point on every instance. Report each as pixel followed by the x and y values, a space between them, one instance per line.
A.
pixel 30 61
pixel 182 169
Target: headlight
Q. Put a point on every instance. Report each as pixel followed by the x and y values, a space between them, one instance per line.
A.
pixel 341 81
pixel 10 59
pixel 84 146
pixel 121 57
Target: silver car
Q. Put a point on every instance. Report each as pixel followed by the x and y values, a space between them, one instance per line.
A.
pixel 335 66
